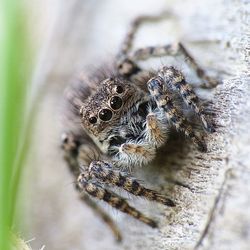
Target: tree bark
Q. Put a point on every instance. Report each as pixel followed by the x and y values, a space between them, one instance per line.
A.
pixel 211 189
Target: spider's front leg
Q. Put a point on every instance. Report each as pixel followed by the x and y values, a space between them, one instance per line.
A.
pixel 158 89
pixel 105 172
pixel 95 188
pixel 174 79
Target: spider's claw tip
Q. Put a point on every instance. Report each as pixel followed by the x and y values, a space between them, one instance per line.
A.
pixel 202 147
pixel 212 130
pixel 153 224
pixel 169 203
pixel 118 238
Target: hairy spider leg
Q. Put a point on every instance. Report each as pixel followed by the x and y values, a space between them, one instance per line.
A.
pixel 157 89
pixel 173 50
pixel 104 172
pixel 95 189
pixel 71 149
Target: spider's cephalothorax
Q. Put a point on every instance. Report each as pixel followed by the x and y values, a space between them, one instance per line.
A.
pixel 125 117
pixel 116 116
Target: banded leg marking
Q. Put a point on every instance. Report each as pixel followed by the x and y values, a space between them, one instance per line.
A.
pixel 173 50
pixel 103 171
pixel 175 80
pixel 158 90
pixel 95 189
pixel 71 150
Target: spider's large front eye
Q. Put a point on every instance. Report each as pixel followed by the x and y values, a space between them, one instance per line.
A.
pixel 115 102
pixel 93 120
pixel 119 89
pixel 105 114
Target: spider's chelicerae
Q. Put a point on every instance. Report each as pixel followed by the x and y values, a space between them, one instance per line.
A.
pixel 124 118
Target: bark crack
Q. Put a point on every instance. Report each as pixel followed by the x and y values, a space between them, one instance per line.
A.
pixel 212 216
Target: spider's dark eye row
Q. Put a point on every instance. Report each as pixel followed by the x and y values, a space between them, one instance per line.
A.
pixel 105 114
pixel 119 89
pixel 115 102
pixel 93 120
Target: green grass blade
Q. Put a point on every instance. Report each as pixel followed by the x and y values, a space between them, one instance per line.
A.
pixel 13 99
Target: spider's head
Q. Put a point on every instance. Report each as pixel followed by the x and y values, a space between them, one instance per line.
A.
pixel 104 109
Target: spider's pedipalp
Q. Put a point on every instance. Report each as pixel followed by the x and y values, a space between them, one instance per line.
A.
pixel 133 152
pixel 156 129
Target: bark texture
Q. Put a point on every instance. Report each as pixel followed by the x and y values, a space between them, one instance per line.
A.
pixel 212 190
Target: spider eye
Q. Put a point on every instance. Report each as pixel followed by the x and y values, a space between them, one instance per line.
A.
pixel 115 102
pixel 93 120
pixel 119 89
pixel 105 114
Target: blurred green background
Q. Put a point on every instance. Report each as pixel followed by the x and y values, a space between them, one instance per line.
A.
pixel 15 125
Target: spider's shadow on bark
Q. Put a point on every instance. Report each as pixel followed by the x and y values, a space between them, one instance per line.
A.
pixel 172 158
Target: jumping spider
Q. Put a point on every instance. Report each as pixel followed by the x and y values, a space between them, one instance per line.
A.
pixel 125 116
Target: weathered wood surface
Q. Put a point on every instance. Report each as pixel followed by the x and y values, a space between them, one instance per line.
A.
pixel 213 209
